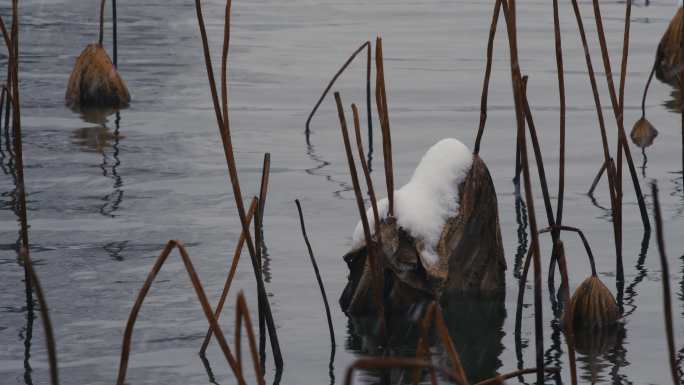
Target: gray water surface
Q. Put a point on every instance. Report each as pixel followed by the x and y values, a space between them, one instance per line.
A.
pixel 104 198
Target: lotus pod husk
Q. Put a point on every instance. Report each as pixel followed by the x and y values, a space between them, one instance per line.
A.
pixel 470 250
pixel 670 55
pixel 643 133
pixel 95 82
pixel 593 306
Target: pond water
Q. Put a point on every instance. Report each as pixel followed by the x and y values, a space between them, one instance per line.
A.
pixel 104 197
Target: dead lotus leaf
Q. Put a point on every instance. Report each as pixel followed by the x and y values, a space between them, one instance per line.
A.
pixel 643 133
pixel 95 82
pixel 593 306
pixel 670 55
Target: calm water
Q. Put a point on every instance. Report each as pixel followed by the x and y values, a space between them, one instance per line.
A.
pixel 105 197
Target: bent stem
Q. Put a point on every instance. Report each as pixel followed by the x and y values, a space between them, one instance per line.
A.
pixel 318 274
pixel 381 101
pixel 202 298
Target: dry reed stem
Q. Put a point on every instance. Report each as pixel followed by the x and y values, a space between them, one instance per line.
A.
pixel 381 101
pixel 223 122
pixel 259 241
pixel 318 274
pixel 373 255
pixel 229 279
pixel 435 316
pixel 488 72
pixel 366 172
pixel 667 301
pixel 242 313
pixel 47 325
pixel 503 377
pixel 390 363
pixel 367 46
pixel 561 87
pixel 568 316
pixel 114 34
pixel 101 36
pixel 597 179
pixel 201 296
pixel 519 94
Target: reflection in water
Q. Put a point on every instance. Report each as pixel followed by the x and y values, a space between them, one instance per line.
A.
pixel 521 220
pixel 311 152
pixel 475 326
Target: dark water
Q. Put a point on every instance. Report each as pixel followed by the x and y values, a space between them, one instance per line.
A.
pixel 105 197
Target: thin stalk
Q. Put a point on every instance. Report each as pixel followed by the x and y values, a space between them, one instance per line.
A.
pixel 366 172
pixel 102 9
pixel 114 41
pixel 667 301
pixel 585 242
pixel 567 315
pixel 367 46
pixel 381 101
pixel 488 72
pixel 201 296
pixel 370 243
pixel 648 85
pixel 45 314
pixel 229 279
pixel 223 123
pixel 242 313
pixel 318 274
pixel 259 241
pixel 561 87
pixel 518 93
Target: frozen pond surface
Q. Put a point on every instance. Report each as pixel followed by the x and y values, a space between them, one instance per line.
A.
pixel 101 208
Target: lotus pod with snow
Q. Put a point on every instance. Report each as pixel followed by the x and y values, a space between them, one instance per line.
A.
pixel 95 82
pixel 670 53
pixel 444 236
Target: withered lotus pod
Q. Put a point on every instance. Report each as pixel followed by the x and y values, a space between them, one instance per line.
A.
pixel 95 82
pixel 643 133
pixel 670 54
pixel 470 256
pixel 593 306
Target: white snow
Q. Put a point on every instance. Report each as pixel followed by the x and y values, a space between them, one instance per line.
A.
pixel 429 199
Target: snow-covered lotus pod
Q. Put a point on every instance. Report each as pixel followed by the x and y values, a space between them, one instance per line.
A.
pixel 643 133
pixel 95 82
pixel 593 306
pixel 444 237
pixel 670 54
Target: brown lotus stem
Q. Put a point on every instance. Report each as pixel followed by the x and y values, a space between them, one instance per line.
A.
pixel 339 72
pixel 114 33
pixel 102 9
pixel 318 274
pixel 259 241
pixel 561 88
pixel 518 93
pixel 435 316
pixel 229 279
pixel 667 301
pixel 366 172
pixel 242 313
pixel 45 315
pixel 568 316
pixel 488 72
pixel 585 242
pixel 381 101
pixel 370 243
pixel 201 296
pixel 223 123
